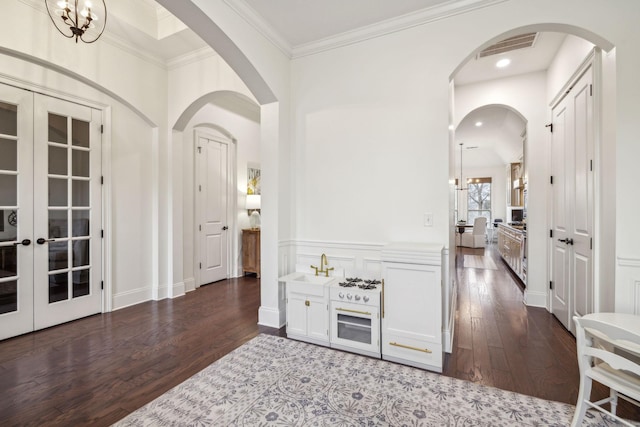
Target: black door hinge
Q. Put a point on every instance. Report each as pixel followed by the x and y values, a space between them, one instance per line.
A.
pixel 550 285
pixel 102 234
pixel 551 234
pixel 550 126
pixel 101 128
pixel 551 179
pixel 102 285
pixel 200 266
pixel 591 165
pixel 591 90
pixel 590 242
pixel 101 180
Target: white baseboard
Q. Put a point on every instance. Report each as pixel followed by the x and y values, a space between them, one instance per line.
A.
pixel 535 299
pixel 271 317
pixel 133 297
pixel 190 284
pixel 178 290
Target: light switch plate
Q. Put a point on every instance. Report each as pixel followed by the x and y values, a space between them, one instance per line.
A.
pixel 428 219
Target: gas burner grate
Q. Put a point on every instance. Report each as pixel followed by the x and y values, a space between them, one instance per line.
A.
pixel 347 284
pixel 367 287
pixel 353 279
pixel 372 282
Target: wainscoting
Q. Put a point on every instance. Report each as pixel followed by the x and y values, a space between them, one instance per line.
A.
pixel 628 285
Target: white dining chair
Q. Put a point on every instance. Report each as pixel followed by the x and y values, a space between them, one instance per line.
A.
pixel 478 235
pixel 608 346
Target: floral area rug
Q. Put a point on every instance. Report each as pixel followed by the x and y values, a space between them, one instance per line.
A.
pixel 274 381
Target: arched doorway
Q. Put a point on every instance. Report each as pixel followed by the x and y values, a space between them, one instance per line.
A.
pixel 532 93
pixel 230 120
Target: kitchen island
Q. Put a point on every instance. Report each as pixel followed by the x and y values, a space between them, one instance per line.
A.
pixel 512 245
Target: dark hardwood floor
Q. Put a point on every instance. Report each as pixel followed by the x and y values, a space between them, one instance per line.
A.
pixel 96 370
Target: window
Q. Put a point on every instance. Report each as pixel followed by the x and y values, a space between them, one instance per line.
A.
pixel 478 199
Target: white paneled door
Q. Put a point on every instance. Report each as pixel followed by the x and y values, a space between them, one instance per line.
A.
pixel 213 182
pixel 573 204
pixel 50 243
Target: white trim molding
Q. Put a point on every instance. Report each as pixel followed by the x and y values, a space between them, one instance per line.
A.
pixel 409 20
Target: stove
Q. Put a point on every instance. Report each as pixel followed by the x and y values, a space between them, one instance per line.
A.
pixel 357 291
pixel 355 315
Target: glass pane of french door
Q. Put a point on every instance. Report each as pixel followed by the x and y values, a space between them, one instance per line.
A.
pixel 16 188
pixel 67 220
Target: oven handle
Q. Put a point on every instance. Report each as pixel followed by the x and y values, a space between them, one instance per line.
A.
pixel 382 299
pixel 424 350
pixel 366 313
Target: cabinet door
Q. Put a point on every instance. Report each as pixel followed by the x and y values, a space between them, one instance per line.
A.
pixel 412 301
pixel 412 315
pixel 317 319
pixel 296 314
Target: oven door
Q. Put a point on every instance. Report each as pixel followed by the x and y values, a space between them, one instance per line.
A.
pixel 355 328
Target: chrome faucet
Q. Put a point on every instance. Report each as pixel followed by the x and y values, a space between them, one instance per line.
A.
pixel 324 266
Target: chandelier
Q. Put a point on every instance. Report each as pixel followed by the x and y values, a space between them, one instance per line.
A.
pixel 86 22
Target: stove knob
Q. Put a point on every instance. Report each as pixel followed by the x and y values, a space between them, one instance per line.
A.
pixel 357 297
pixel 341 295
pixel 349 296
pixel 365 298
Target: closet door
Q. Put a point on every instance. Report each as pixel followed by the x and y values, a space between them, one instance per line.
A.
pixel 573 202
pixel 16 207
pixel 67 212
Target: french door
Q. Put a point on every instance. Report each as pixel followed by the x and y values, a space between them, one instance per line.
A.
pixel 573 203
pixel 50 211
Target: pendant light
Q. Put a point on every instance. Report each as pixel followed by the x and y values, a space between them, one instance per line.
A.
pixel 85 22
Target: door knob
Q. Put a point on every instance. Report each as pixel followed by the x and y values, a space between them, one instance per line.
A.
pixel 567 241
pixel 25 242
pixel 225 228
pixel 42 241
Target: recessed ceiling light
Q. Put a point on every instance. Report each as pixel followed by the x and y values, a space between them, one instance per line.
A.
pixel 478 124
pixel 503 62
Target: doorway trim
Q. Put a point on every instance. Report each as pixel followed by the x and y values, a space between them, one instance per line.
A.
pixel 218 134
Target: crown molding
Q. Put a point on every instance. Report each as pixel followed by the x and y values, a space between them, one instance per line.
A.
pixel 191 57
pixel 122 44
pixel 420 17
pixel 409 20
pixel 250 16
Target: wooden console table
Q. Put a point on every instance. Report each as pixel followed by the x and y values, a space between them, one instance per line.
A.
pixel 251 251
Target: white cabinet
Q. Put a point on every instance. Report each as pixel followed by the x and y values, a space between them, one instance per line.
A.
pixel 411 305
pixel 511 245
pixel 308 312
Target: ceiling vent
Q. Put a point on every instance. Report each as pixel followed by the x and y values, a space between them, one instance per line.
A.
pixel 507 45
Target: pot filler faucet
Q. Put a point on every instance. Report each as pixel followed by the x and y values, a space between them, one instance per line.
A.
pixel 324 266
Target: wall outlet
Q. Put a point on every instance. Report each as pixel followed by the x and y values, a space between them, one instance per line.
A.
pixel 428 219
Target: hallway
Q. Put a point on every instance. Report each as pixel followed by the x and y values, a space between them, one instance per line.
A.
pixel 501 342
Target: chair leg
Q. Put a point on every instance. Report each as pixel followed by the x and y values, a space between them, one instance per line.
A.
pixel 581 407
pixel 614 401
